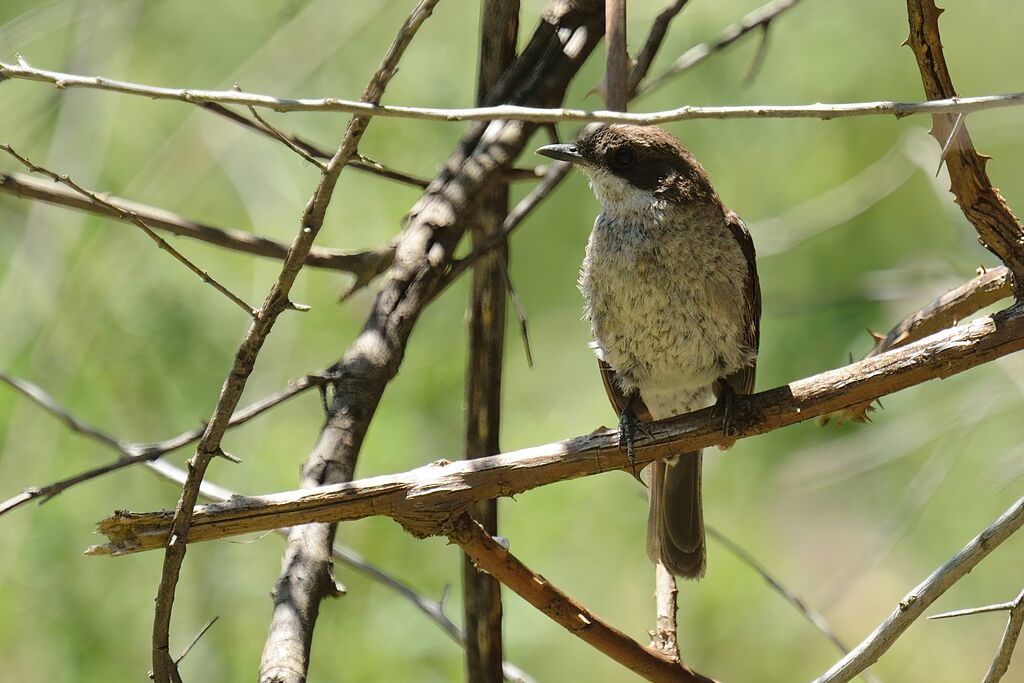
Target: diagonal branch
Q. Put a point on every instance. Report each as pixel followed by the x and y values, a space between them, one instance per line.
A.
pixel 511 112
pixel 425 499
pixel 913 605
pixel 492 558
pixel 366 264
pixel 135 219
pixel 999 230
pixel 759 18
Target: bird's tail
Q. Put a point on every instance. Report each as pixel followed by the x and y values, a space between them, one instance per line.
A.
pixel 675 524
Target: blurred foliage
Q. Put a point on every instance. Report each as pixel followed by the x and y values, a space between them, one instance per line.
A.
pixel 850 518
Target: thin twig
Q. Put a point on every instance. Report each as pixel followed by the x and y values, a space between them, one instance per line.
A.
pixel 760 17
pixel 136 220
pixel 285 140
pixel 422 500
pixel 655 37
pixel 130 453
pixel 813 616
pixel 366 109
pixel 195 639
pixel 362 264
pixel 920 598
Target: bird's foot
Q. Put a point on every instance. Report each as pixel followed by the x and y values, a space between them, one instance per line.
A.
pixel 729 407
pixel 629 425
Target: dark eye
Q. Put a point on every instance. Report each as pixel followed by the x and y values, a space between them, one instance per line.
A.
pixel 624 156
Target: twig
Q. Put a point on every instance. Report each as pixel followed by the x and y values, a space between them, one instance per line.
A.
pixel 813 616
pixel 424 499
pixel 510 112
pixel 432 609
pixel 492 558
pixel 195 639
pixel 365 264
pixel 1000 607
pixel 136 220
pixel 761 17
pixel 918 600
pixel 998 228
pixel 130 453
pixel 286 140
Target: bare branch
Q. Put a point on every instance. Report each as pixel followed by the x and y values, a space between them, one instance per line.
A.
pixel 133 218
pixel 998 228
pixel 659 29
pixel 759 18
pixel 918 600
pixel 425 499
pixel 663 637
pixel 365 109
pixel 365 264
pixel 617 67
pixel 492 558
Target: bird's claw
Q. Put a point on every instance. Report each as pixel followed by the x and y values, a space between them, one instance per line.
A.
pixel 629 425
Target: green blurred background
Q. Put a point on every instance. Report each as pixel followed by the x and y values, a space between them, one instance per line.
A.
pixel 850 518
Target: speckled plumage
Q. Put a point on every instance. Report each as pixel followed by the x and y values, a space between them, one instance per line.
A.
pixel 670 290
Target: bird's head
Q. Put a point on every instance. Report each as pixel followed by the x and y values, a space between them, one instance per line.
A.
pixel 635 165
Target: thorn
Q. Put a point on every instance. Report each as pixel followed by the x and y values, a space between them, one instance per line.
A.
pixel 230 458
pixel 879 402
pixel 301 308
pixel 877 336
pixel 949 142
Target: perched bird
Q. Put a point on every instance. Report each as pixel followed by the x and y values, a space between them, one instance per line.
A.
pixel 672 295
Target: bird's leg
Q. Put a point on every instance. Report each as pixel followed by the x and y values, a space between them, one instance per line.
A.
pixel 726 400
pixel 629 424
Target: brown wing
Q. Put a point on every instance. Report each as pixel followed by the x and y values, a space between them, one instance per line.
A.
pixel 742 381
pixel 618 399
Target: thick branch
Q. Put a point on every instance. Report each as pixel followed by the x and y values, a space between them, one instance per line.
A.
pixel 361 264
pixel 492 558
pixel 517 112
pixel 917 601
pixel 425 499
pixel 998 228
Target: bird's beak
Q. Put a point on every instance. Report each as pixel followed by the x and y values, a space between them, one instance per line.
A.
pixel 566 152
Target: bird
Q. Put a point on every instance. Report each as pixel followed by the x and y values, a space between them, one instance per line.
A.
pixel 670 288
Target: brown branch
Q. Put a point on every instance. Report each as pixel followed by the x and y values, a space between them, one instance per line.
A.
pixel 523 113
pixel 998 228
pixel 130 453
pixel 135 219
pixel 759 18
pixel 425 499
pixel 655 37
pixel 366 264
pixel 285 652
pixel 920 598
pixel 485 323
pixel 492 558
pixel 943 312
pixel 617 65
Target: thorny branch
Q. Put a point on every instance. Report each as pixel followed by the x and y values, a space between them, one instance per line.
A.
pixel 917 601
pixel 1014 623
pixel 510 112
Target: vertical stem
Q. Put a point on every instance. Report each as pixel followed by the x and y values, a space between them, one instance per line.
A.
pixel 499 28
pixel 617 69
pixel 663 637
